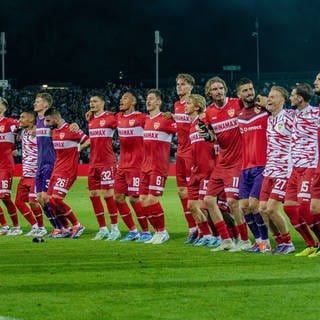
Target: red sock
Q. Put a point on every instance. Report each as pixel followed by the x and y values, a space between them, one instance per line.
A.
pixel 155 215
pixel 315 227
pixel 233 231
pixel 37 211
pixel 204 228
pixel 126 216
pixel 12 211
pixel 63 207
pixel 243 230
pixel 142 219
pixel 98 210
pixel 187 214
pixel 112 209
pixel 222 230
pixel 286 238
pixel 293 214
pixel 3 221
pixel 25 211
pixel 277 238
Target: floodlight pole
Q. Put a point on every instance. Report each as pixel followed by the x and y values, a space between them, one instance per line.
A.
pixel 256 35
pixel 157 42
pixel 3 44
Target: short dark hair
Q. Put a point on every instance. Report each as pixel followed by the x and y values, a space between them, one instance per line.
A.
pixel 52 112
pixel 156 92
pixel 304 90
pixel 98 94
pixel 32 114
pixel 242 82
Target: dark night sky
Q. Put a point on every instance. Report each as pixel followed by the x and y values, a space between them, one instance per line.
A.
pixel 89 42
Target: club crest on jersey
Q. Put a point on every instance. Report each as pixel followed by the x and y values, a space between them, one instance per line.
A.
pixel 156 125
pixel 102 123
pixel 231 112
pixel 257 110
pixel 131 122
pixel 279 126
pixel 61 135
pixel 1 128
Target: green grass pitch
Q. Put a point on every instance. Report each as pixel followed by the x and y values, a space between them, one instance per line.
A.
pixel 83 279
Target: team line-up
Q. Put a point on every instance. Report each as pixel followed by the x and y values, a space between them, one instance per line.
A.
pixel 237 161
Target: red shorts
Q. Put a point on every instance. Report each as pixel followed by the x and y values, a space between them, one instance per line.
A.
pixel 299 185
pixel 273 188
pixel 5 184
pixel 60 185
pixel 127 182
pixel 152 184
pixel 101 178
pixel 26 190
pixel 197 187
pixel 183 170
pixel 315 186
pixel 224 178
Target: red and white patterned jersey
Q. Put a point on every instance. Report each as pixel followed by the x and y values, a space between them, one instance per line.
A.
pixel 7 128
pixel 29 154
pixel 183 126
pixel 66 144
pixel 101 130
pixel 130 130
pixel 304 143
pixel 157 139
pixel 224 122
pixel 253 127
pixel 202 152
pixel 279 132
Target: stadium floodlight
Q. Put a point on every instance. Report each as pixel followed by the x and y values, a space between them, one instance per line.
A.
pixel 3 52
pixel 158 41
pixel 256 35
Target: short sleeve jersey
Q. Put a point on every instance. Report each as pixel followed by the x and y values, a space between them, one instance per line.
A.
pixel 7 128
pixel 224 122
pixel 183 126
pixel 157 137
pixel 253 128
pixel 130 130
pixel 279 134
pixel 29 154
pixel 305 144
pixel 46 153
pixel 101 130
pixel 66 145
pixel 202 152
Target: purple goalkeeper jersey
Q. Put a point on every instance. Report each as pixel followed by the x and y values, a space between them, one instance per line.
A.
pixel 46 153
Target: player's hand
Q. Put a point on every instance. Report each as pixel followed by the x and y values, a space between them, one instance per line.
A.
pixel 14 152
pixel 74 127
pixel 168 115
pixel 88 115
pixel 261 101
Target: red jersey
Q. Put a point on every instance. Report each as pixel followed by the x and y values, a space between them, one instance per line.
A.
pixel 130 130
pixel 183 126
pixel 101 130
pixel 202 152
pixel 29 154
pixel 7 127
pixel 157 139
pixel 224 122
pixel 253 123
pixel 66 145
pixel 304 141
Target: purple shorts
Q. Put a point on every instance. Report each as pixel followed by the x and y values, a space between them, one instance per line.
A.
pixel 250 183
pixel 43 177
